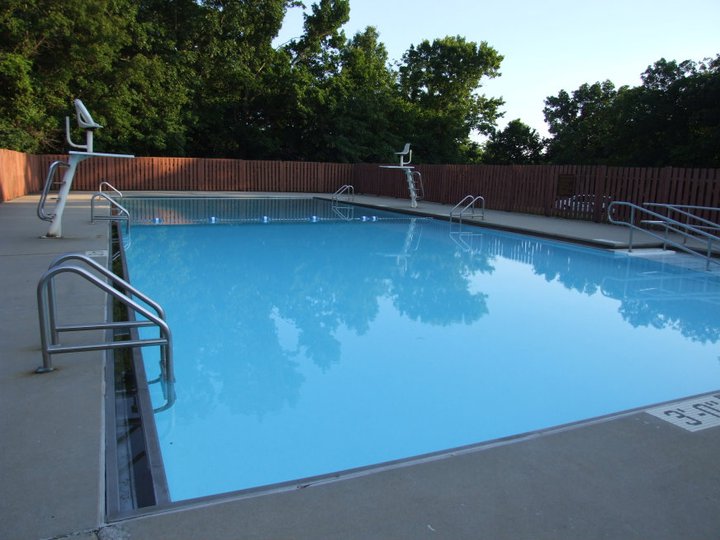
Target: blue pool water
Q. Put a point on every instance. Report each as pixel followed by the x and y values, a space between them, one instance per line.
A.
pixel 310 346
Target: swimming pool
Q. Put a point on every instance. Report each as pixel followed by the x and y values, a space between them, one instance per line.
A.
pixel 312 338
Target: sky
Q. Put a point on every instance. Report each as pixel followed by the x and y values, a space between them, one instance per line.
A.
pixel 548 45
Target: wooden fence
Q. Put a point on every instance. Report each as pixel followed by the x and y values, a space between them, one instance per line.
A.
pixel 580 192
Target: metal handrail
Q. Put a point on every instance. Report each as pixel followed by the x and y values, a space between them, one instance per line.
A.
pixel 344 212
pixel 681 209
pixel 49 330
pixel 109 185
pixel 124 215
pixel 344 189
pixel 420 193
pixel 110 275
pixel 460 240
pixel 469 205
pixel 684 230
pixel 46 189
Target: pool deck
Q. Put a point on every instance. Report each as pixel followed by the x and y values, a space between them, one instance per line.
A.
pixel 629 476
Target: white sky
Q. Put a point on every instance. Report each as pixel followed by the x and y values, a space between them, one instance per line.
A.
pixel 548 45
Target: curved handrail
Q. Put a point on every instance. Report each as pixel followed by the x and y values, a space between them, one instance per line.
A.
pixel 473 199
pixel 344 189
pixel 46 333
pixel 124 214
pixel 168 389
pixel 465 198
pixel 110 275
pixel 46 189
pixel 109 185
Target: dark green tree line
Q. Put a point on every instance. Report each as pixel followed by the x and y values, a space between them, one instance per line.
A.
pixel 203 78
pixel 517 144
pixel 671 119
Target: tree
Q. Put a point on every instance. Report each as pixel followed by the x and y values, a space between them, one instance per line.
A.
pixel 100 51
pixel 673 118
pixel 312 107
pixel 517 144
pixel 580 124
pixel 22 123
pixel 52 53
pixel 362 127
pixel 202 77
pixel 235 69
pixel 439 82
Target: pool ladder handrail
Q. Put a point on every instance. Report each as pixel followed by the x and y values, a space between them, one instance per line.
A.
pixel 122 213
pixel 347 190
pixel 119 289
pixel 107 184
pixel 417 183
pixel 684 230
pixel 705 224
pixel 460 238
pixel 49 182
pixel 469 206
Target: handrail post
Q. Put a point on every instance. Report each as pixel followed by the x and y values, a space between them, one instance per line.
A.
pixel 50 295
pixel 676 226
pixel 44 333
pixel 48 327
pixel 709 254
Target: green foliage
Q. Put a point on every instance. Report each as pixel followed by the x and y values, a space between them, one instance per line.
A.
pixel 580 123
pixel 58 56
pixel 672 119
pixel 21 123
pixel 192 77
pixel 439 82
pixel 517 144
pixel 202 77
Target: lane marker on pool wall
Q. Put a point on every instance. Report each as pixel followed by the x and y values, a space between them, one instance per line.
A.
pixel 692 414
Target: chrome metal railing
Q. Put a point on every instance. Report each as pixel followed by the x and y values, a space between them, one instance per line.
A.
pixel 119 289
pixel 49 182
pixel 347 190
pixel 469 201
pixel 112 188
pixel 685 231
pixel 697 221
pixel 122 213
pixel 418 185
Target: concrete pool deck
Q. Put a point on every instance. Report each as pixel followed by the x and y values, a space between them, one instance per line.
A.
pixel 628 476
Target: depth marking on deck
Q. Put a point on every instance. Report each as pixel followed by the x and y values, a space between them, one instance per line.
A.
pixel 692 414
pixel 97 253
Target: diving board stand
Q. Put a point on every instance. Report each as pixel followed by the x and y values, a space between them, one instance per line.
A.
pixel 413 177
pixel 86 122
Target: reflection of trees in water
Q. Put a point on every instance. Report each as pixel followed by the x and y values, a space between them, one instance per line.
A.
pixel 433 285
pixel 650 294
pixel 344 271
pixel 667 300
